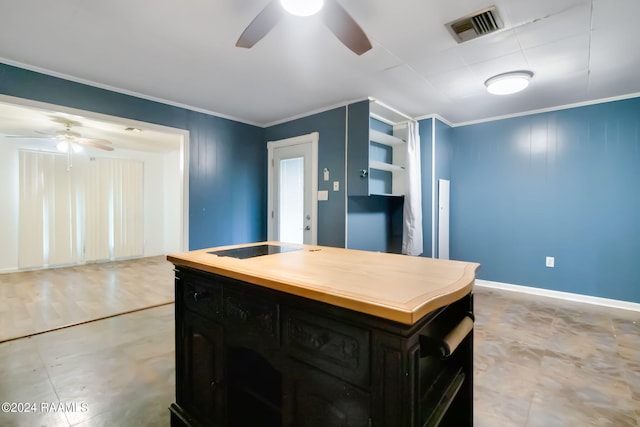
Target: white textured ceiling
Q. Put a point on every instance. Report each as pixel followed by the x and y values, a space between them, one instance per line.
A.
pixel 184 52
pixel 36 128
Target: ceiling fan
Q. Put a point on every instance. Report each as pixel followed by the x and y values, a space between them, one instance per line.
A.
pixel 70 140
pixel 343 26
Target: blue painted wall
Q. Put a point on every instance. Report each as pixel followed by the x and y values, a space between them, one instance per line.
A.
pixel 331 125
pixel 227 164
pixel 358 148
pixel 563 184
pixel 443 143
pixel 375 223
pixel 426 140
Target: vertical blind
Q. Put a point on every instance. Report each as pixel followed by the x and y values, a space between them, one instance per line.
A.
pixel 79 214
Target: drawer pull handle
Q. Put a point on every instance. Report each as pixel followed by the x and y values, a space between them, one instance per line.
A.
pixel 199 296
pixel 445 347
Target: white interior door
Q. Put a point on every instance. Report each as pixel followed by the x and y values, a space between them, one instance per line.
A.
pixel 443 218
pixel 293 173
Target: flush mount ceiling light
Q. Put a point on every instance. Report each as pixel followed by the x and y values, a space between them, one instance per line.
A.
pixel 302 7
pixel 508 83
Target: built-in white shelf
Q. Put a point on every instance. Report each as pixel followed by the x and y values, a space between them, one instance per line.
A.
pixel 383 138
pixel 387 152
pixel 385 166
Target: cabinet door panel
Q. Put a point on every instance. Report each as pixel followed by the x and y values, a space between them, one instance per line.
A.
pixel 202 392
pixel 321 400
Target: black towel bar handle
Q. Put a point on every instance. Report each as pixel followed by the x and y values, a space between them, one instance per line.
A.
pixel 445 347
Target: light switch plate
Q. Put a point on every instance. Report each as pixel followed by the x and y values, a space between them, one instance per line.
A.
pixel 336 185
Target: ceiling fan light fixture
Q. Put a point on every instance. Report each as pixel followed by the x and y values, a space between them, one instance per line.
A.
pixel 508 83
pixel 62 146
pixel 302 7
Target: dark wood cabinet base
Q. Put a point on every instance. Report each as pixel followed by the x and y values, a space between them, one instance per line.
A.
pixel 250 356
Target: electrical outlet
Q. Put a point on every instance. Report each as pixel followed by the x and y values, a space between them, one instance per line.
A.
pixel 550 262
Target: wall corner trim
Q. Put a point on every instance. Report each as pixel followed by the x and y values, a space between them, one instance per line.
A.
pixel 587 299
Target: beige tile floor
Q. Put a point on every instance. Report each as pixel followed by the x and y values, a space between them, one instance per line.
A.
pixel 121 368
pixel 538 362
pixel 546 362
pixel 42 300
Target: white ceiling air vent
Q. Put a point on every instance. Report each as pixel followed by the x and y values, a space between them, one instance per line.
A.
pixel 477 24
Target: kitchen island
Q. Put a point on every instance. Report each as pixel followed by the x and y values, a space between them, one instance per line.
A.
pixel 272 334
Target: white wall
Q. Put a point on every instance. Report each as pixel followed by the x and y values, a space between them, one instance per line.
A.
pixel 154 232
pixel 8 206
pixel 162 200
pixel 173 211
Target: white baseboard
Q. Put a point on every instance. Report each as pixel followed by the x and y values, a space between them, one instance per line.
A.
pixel 587 299
pixel 51 267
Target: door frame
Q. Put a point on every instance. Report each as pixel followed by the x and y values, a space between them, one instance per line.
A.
pixel 296 140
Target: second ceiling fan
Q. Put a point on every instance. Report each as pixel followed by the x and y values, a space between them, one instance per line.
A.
pixel 345 28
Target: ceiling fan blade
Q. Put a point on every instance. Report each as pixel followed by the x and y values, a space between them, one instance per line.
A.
pixel 29 137
pixel 261 25
pixel 345 28
pixel 100 144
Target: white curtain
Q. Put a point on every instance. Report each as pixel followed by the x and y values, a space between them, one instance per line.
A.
pixel 412 213
pixel 128 205
pixel 114 213
pixel 69 215
pixel 48 210
pixel 98 230
pixel 63 212
pixel 31 211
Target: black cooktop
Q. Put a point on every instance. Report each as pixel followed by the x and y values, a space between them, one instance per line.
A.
pixel 254 251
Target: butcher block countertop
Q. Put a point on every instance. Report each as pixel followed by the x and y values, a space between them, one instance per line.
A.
pixel 394 287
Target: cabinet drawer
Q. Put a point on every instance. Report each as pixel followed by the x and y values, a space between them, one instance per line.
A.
pixel 202 297
pixel 336 348
pixel 251 319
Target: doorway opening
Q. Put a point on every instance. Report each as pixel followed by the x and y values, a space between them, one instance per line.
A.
pixel 28 126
